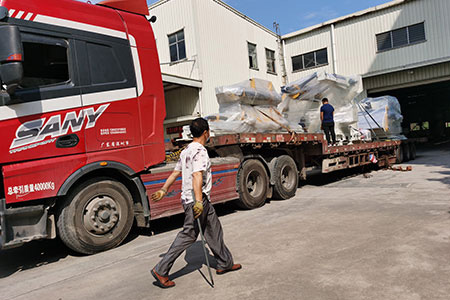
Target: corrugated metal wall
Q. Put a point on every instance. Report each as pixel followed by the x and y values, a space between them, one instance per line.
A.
pixel 404 78
pixel 355 38
pixel 305 43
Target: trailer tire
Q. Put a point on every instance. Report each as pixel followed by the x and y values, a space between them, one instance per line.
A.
pixel 253 184
pixel 399 154
pixel 286 178
pixel 406 152
pixel 95 216
pixel 412 151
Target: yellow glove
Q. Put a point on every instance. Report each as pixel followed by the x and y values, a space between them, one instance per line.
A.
pixel 159 195
pixel 198 209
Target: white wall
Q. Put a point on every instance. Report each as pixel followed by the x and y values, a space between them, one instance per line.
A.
pixel 172 16
pixel 216 37
pixel 223 37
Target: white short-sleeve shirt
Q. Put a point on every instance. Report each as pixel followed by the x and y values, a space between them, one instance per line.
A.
pixel 194 159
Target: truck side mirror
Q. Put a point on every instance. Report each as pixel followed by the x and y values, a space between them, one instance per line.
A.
pixel 11 58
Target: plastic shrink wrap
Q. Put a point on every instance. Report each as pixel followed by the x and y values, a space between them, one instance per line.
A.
pixel 250 106
pixel 301 101
pixel 387 114
pixel 251 92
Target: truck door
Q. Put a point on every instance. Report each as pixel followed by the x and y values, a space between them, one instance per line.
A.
pixel 45 117
pixel 109 93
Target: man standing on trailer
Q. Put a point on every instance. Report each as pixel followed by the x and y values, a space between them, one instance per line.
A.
pixel 327 119
pixel 195 167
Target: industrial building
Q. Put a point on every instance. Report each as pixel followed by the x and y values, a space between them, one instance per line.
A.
pixel 205 44
pixel 400 48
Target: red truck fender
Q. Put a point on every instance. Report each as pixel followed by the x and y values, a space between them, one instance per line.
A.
pixel 124 174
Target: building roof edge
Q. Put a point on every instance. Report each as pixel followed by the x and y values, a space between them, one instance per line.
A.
pixel 230 8
pixel 346 17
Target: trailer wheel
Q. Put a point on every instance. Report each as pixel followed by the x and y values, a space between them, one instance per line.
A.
pixel 253 184
pixel 96 216
pixel 286 177
pixel 412 151
pixel 399 154
pixel 406 152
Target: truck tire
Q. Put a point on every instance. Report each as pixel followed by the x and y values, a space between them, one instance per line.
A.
pixel 406 153
pixel 412 151
pixel 253 184
pixel 399 154
pixel 95 216
pixel 286 177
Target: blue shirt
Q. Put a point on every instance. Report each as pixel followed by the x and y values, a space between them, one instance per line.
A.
pixel 327 110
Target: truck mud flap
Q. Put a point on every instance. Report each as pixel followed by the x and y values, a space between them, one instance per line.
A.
pixel 21 225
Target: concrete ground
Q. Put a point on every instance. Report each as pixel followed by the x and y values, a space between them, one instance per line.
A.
pixel 385 235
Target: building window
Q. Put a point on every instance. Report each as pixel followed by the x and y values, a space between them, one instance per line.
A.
pixel 252 56
pixel 310 60
pixel 270 59
pixel 401 37
pixel 177 46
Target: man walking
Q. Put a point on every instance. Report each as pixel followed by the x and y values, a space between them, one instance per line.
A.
pixel 195 167
pixel 327 119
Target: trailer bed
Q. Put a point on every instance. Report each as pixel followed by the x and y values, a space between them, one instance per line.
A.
pixel 276 139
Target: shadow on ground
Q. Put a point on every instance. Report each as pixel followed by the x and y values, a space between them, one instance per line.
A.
pixel 316 178
pixel 31 255
pixel 195 259
pixel 43 252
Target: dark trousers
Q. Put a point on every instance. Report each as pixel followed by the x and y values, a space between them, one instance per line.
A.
pixel 212 230
pixel 328 127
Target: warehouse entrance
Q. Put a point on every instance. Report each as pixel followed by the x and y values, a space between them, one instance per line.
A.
pixel 425 109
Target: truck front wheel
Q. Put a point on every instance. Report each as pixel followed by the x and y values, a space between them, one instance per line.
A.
pixel 253 184
pixel 96 216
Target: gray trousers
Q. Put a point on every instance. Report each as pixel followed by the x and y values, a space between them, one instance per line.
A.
pixel 212 230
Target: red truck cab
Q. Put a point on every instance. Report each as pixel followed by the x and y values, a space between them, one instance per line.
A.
pixel 81 107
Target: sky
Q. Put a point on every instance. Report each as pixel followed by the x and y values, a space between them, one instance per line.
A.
pixel 293 15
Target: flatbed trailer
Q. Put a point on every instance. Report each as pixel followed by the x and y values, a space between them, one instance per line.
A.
pixel 252 167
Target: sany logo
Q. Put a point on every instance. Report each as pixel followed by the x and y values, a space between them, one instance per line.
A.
pixel 37 130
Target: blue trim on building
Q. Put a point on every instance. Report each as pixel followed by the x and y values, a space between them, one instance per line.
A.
pixel 179 178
